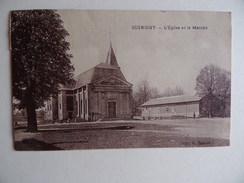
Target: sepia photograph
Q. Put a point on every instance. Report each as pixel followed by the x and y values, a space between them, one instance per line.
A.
pixel 112 79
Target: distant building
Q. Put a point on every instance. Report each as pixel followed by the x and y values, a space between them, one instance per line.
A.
pixel 101 92
pixel 183 107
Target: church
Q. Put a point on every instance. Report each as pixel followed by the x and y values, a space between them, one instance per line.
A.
pixel 101 92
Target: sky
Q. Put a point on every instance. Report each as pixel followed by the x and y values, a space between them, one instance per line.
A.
pixel 161 46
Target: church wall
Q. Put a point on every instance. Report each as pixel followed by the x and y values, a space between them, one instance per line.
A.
pixel 81 103
pixel 86 102
pixel 90 103
pixel 77 108
pixel 66 109
pixel 75 111
pixel 101 96
pixel 62 106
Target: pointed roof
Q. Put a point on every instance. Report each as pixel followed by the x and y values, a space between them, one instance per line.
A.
pixel 100 71
pixel 111 58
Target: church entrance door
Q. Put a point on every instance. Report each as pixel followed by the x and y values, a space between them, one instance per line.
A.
pixel 112 109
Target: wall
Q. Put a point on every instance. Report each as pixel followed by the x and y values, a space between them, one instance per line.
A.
pixel 48 113
pixel 99 103
pixel 171 110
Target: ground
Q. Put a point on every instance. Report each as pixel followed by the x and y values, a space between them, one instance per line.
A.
pixel 203 132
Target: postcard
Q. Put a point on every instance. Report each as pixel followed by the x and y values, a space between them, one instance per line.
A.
pixel 112 79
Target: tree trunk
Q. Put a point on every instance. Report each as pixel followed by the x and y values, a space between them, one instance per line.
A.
pixel 31 114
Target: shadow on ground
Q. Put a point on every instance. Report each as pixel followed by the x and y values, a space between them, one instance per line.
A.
pixel 34 145
pixel 87 129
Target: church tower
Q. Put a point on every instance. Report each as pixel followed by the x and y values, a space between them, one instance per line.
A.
pixel 111 58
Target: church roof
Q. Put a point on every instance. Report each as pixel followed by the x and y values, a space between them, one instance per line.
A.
pixel 171 100
pixel 84 78
pixel 102 70
pixel 111 58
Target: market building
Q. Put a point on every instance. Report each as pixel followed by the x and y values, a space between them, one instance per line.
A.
pixel 99 93
pixel 183 107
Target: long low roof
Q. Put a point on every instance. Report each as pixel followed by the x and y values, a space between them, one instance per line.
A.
pixel 171 100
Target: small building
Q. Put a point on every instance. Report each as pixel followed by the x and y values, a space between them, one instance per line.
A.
pixel 101 92
pixel 182 107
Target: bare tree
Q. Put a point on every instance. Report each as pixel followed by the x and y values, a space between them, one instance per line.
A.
pixel 142 92
pixel 178 90
pixel 223 85
pixel 173 92
pixel 167 92
pixel 213 80
pixel 154 93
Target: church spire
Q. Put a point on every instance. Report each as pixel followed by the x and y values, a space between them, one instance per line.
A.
pixel 111 58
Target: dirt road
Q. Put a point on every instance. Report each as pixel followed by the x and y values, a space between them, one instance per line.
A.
pixel 126 134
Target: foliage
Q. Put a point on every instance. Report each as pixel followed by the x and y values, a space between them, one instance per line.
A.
pixel 40 62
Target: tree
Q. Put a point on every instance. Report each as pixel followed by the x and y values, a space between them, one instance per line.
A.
pixel 154 93
pixel 40 62
pixel 178 90
pixel 173 92
pixel 213 80
pixel 144 92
